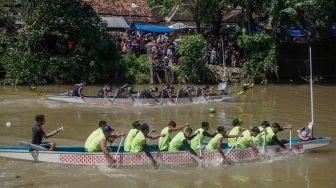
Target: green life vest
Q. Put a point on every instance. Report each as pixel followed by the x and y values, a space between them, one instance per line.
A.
pixel 136 145
pixel 269 135
pixel 130 136
pixel 244 141
pixel 92 143
pixel 234 131
pixel 212 145
pixel 177 142
pixel 259 139
pixel 164 141
pixel 195 142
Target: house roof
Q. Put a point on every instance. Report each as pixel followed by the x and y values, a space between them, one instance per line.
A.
pixel 121 7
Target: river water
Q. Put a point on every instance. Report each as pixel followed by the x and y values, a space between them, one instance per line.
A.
pixel 286 104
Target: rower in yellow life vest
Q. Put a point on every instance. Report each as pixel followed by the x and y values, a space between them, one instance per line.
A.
pixel 247 141
pixel 97 140
pixel 180 142
pixel 258 138
pixel 203 132
pixel 237 129
pixel 271 135
pixel 130 136
pixel 264 125
pixel 139 142
pixel 216 142
pixel 164 141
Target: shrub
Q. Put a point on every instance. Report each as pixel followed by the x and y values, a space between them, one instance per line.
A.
pixel 135 68
pixel 260 56
pixel 191 67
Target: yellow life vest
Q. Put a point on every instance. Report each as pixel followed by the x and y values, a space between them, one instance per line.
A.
pixel 177 142
pixel 195 142
pixel 136 145
pixel 92 143
pixel 130 136
pixel 212 145
pixel 164 141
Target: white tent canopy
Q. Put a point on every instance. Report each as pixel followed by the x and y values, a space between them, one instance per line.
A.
pixel 179 25
pixel 115 22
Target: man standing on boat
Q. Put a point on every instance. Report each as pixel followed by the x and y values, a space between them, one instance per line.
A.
pixel 104 91
pixel 77 91
pixel 203 132
pixel 180 142
pixel 38 133
pixel 164 141
pixel 130 136
pixel 139 143
pixel 216 142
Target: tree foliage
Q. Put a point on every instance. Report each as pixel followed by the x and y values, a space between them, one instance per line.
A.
pixel 191 65
pixel 135 68
pixel 261 52
pixel 63 41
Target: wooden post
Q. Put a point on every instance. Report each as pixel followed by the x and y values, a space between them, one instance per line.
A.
pixel 150 66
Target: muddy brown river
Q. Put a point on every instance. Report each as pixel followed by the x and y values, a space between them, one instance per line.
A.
pixel 286 104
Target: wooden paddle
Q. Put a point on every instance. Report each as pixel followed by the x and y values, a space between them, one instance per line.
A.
pixel 115 156
pixel 234 145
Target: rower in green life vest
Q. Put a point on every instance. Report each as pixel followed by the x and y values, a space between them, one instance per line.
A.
pixel 92 143
pixel 264 125
pixel 203 132
pixel 216 142
pixel 164 141
pixel 258 139
pixel 236 130
pixel 247 141
pixel 271 135
pixel 130 136
pixel 97 140
pixel 139 143
pixel 180 142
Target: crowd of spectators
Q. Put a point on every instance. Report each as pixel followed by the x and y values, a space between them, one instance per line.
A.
pixel 232 55
pixel 163 49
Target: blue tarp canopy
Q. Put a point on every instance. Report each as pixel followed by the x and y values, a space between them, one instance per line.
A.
pixel 296 32
pixel 153 28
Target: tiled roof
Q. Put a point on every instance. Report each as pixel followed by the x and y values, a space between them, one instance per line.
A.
pixel 120 7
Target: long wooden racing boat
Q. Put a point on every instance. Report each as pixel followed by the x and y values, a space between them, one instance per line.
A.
pixel 77 154
pixel 140 101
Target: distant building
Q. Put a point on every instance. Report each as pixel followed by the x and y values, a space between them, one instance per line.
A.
pixel 119 12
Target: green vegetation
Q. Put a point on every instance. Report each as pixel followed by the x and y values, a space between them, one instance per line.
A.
pixel 191 67
pixel 135 68
pixel 62 42
pixel 261 52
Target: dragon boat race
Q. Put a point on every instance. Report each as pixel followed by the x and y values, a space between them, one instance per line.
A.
pixel 285 104
pixel 167 93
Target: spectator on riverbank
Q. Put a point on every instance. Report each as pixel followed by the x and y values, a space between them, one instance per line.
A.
pixel 163 48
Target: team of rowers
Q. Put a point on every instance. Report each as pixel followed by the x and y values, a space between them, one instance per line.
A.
pixel 185 140
pixel 126 91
